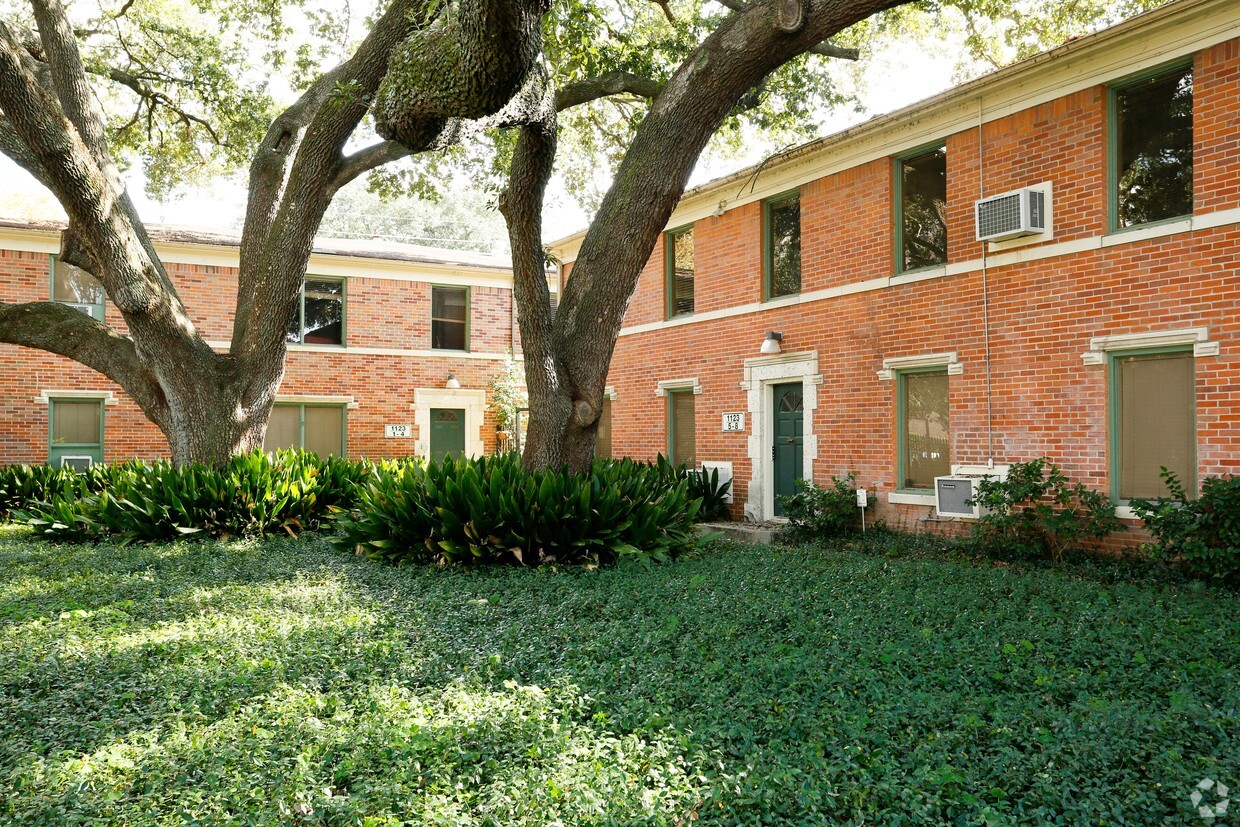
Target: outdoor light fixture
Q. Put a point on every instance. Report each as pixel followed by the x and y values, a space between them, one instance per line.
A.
pixel 723 205
pixel 771 343
pixel 452 382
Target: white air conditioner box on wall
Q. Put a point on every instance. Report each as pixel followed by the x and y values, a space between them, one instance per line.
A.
pixel 725 475
pixel 1011 215
pixel 951 496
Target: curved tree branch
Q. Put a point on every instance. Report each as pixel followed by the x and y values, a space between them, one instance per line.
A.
pixel 604 86
pixel 368 158
pixel 60 329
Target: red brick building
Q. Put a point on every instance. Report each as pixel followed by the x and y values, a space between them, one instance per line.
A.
pixel 390 355
pixel 1108 339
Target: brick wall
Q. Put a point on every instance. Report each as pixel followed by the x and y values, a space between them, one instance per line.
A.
pixel 1043 399
pixel 382 313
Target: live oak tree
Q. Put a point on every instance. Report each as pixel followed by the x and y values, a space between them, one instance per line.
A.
pixel 82 94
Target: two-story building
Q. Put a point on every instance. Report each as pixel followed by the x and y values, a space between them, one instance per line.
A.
pixel 849 306
pixel 390 354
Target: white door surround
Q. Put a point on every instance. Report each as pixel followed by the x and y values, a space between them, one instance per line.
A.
pixel 473 402
pixel 761 374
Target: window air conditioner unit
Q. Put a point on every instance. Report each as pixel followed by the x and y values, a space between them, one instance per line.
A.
pixel 1011 215
pixel 951 495
pixel 79 464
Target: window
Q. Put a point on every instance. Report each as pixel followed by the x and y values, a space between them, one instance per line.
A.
pixel 75 432
pixel 602 438
pixel 1153 422
pixel 679 272
pixel 74 286
pixel 782 221
pixel 320 314
pixel 924 435
pixel 450 318
pixel 921 223
pixel 317 428
pixel 681 429
pixel 1152 150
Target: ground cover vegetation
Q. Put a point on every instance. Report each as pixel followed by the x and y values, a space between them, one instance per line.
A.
pixel 877 680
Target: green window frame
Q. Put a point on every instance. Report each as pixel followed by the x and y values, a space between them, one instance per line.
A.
pixel 56 450
pixel 676 429
pixel 1115 220
pixel 677 284
pixel 94 309
pixel 302 408
pixel 902 441
pixel 436 288
pixel 899 230
pixel 297 325
pixel 1115 421
pixel 770 290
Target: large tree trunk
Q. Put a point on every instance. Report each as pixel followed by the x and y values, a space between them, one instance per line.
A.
pixel 570 356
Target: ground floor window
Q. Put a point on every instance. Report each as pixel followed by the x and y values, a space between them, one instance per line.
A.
pixel 75 432
pixel 681 428
pixel 923 423
pixel 1153 422
pixel 317 428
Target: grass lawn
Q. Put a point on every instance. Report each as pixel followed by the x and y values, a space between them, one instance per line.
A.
pixel 282 683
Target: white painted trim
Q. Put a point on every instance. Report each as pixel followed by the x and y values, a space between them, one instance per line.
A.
pixel 1221 218
pixel 474 403
pixel 1197 337
pixel 761 373
pixel 320 264
pixel 313 399
pixel 896 498
pixel 677 385
pixel 896 364
pixel 1126 512
pixel 609 392
pixel 46 396
pixel 350 350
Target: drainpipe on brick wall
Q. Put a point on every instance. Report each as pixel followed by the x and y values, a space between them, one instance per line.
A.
pixel 981 193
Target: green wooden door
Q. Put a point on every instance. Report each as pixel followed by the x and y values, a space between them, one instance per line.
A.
pixel 75 433
pixel 447 433
pixel 787 453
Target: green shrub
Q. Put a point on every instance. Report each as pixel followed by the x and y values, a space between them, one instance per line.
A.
pixel 492 510
pixel 1037 512
pixel 1204 533
pixel 702 486
pixel 815 513
pixel 253 495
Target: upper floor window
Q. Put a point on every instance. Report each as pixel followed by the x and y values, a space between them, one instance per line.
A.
pixel 320 314
pixel 680 272
pixel 921 222
pixel 783 245
pixel 450 318
pixel 74 286
pixel 924 433
pixel 1152 161
pixel 1154 422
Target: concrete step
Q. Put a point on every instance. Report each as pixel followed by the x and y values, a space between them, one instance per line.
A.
pixel 742 532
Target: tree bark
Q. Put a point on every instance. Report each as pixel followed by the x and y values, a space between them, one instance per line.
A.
pixel 573 355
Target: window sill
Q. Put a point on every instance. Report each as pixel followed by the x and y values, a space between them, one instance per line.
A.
pixel 912 497
pixel 1156 228
pixel 313 346
pixel 449 350
pixel 922 271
